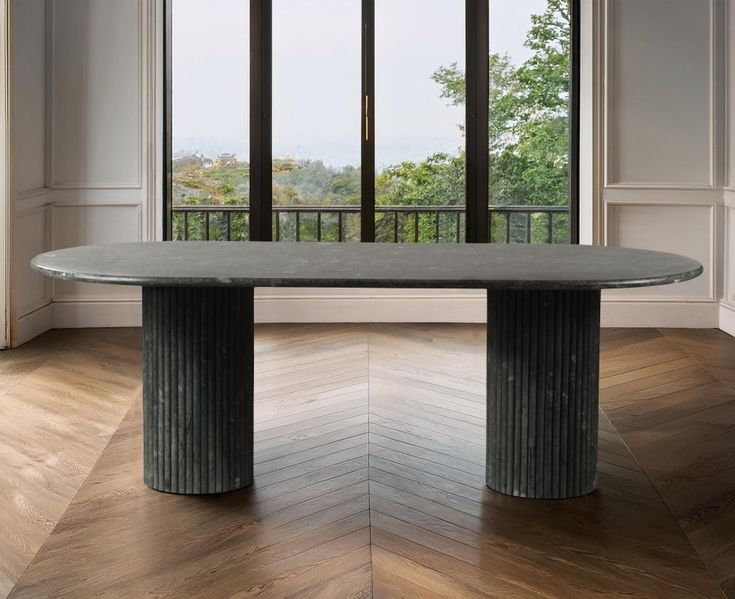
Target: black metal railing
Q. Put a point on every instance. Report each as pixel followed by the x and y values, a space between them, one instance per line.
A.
pixel 406 224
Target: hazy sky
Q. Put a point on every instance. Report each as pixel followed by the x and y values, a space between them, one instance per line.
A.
pixel 316 75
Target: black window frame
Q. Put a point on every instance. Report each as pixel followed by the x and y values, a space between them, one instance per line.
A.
pixel 477 200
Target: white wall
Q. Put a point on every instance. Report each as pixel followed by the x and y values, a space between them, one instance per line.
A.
pixel 82 141
pixel 654 86
pixel 663 150
pixel 727 310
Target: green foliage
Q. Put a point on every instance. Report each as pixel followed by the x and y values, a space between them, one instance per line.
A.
pixel 312 183
pixel 437 181
pixel 529 123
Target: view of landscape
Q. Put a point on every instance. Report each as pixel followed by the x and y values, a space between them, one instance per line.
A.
pixel 420 96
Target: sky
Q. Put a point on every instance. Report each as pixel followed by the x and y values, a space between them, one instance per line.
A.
pixel 316 75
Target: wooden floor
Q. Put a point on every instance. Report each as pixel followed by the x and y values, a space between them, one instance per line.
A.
pixel 369 475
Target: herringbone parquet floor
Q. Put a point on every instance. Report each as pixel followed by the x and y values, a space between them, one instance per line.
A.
pixel 370 480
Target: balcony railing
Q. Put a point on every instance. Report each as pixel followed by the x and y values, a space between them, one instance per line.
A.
pixel 406 224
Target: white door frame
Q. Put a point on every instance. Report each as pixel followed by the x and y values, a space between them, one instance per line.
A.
pixel 6 197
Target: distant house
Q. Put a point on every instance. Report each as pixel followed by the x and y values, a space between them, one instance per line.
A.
pixel 225 160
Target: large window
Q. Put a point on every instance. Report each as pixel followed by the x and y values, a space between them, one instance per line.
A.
pixel 414 121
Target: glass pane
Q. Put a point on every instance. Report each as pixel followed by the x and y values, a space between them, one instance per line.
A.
pixel 529 120
pixel 316 119
pixel 210 95
pixel 419 104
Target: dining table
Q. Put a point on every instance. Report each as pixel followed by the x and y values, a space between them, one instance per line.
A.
pixel 543 343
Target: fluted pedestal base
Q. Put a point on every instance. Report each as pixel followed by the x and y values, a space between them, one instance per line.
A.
pixel 542 392
pixel 198 388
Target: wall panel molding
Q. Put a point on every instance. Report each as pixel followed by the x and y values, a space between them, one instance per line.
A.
pixel 729 253
pixel 613 237
pixel 137 180
pixel 152 51
pixel 137 206
pixel 33 291
pixel 613 178
pixel 663 197
pixel 96 197
pixel 89 223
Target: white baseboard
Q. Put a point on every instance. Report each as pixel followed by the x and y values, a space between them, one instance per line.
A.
pixel 96 314
pixel 32 325
pixel 685 315
pixel 307 308
pixel 727 318
pixel 382 306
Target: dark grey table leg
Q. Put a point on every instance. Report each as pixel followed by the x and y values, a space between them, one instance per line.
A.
pixel 198 388
pixel 543 351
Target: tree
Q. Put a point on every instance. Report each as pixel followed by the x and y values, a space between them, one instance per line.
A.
pixel 529 130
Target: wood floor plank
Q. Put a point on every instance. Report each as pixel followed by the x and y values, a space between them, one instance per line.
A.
pixel 61 398
pixel 714 350
pixel 370 477
pixel 680 431
pixel 398 575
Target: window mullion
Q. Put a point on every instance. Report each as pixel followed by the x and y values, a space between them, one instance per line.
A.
pixel 367 111
pixel 477 135
pixel 261 125
pixel 574 123
pixel 167 121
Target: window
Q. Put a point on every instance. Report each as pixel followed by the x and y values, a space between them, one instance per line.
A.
pixel 529 121
pixel 419 144
pixel 316 124
pixel 209 191
pixel 349 120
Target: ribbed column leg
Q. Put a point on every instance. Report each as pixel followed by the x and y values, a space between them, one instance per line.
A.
pixel 198 388
pixel 543 351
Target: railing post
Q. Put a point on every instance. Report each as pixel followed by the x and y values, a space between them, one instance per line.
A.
pixel 551 226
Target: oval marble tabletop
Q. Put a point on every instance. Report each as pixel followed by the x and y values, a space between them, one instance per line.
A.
pixel 268 264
